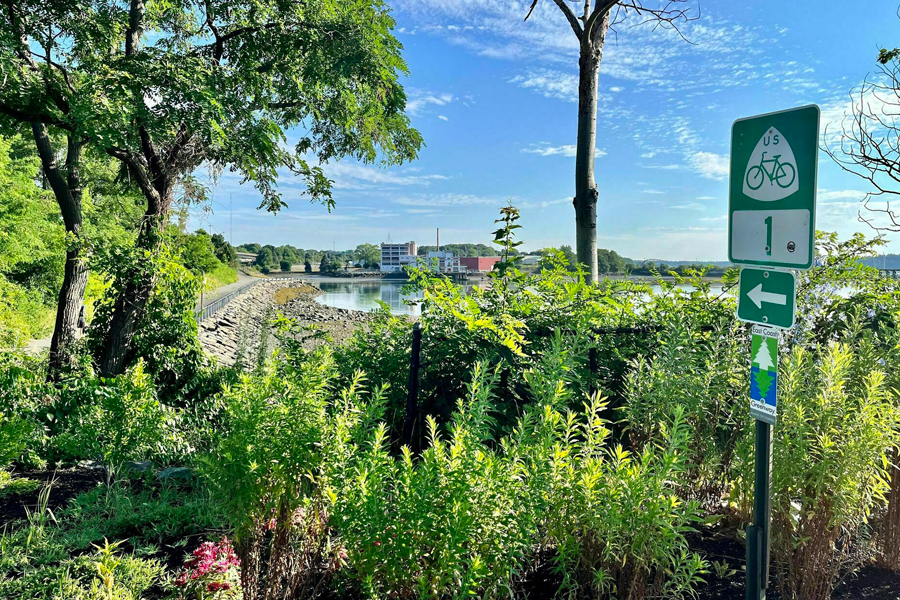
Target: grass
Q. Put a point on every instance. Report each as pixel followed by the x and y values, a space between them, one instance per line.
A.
pixel 287 294
pixel 221 275
pixel 66 555
pixel 13 486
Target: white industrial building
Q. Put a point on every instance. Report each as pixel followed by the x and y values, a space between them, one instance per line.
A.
pixel 396 256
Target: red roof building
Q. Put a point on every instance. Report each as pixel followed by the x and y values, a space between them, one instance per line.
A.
pixel 481 264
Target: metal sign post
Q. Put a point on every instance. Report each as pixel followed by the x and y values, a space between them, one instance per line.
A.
pixel 771 224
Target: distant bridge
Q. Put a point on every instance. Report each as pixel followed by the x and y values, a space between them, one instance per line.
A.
pixel 890 273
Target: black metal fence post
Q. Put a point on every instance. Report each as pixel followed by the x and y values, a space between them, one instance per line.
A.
pixel 592 368
pixel 412 395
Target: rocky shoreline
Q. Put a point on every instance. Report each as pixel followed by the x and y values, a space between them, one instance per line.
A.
pixel 238 331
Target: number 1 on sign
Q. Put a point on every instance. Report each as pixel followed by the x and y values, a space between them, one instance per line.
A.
pixel 769 235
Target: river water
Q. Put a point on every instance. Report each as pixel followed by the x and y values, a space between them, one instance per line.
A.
pixel 365 294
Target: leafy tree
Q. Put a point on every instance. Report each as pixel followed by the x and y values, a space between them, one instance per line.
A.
pixel 265 259
pixel 285 266
pixel 307 265
pixel 251 248
pixel 569 255
pixel 369 255
pixel 330 264
pixel 167 87
pixel 608 261
pixel 225 252
pixel 287 255
pixel 590 29
pixel 198 253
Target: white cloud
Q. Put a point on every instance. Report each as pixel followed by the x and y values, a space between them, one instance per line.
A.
pixel 551 84
pixel 709 164
pixel 420 100
pixel 689 206
pixel 653 191
pixel 828 195
pixel 544 149
pixel 669 167
pixel 449 200
pixel 443 118
pixel 570 150
pixel 706 198
pixel 348 175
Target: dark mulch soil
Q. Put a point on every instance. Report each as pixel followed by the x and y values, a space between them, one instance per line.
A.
pixel 66 485
pixel 869 583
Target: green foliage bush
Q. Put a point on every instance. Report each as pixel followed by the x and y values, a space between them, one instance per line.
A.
pixel 447 524
pixel 706 374
pixel 117 420
pixel 838 422
pixel 264 472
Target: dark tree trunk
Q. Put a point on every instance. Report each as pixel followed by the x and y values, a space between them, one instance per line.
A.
pixel 586 193
pixel 118 350
pixel 67 190
pixel 890 554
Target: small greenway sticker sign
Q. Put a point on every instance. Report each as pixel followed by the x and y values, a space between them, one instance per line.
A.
pixel 767 297
pixel 764 374
pixel 772 192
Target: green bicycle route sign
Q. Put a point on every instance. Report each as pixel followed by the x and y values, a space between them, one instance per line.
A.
pixel 772 189
pixel 767 297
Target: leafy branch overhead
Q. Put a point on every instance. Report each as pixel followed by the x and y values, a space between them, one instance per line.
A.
pixel 167 87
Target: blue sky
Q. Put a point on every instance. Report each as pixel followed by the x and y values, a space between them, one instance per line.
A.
pixel 495 99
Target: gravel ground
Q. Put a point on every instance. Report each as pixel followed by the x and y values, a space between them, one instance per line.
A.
pixel 236 331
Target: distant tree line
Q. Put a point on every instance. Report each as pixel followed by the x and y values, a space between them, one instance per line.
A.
pixel 464 250
pixel 611 263
pixel 285 257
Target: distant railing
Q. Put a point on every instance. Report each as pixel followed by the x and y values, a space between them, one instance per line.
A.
pixel 216 305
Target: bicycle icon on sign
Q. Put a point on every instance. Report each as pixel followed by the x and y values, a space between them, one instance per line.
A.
pixel 782 174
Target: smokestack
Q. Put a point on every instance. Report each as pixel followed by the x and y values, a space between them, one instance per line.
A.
pixel 438 239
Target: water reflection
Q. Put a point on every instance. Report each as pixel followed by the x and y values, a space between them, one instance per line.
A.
pixel 356 294
pixel 365 295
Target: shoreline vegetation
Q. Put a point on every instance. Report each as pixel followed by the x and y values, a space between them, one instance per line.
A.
pixel 546 433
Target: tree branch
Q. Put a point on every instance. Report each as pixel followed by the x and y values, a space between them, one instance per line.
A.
pixel 570 16
pixel 138 171
pixel 567 11
pixel 26 116
pixel 51 171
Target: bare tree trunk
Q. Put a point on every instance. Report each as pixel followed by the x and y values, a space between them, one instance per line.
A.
pixel 67 191
pixel 586 193
pixel 890 553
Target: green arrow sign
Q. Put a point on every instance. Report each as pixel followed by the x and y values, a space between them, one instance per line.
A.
pixel 767 297
pixel 772 191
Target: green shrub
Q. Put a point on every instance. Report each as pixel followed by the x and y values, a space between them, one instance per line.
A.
pixel 381 351
pixel 264 472
pixel 449 524
pixel 143 513
pixel 116 420
pixel 829 468
pixel 706 374
pixel 613 517
pixel 13 486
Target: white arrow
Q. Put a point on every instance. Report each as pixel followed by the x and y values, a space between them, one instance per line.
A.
pixel 759 296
